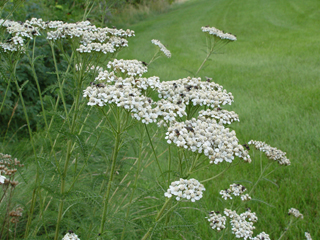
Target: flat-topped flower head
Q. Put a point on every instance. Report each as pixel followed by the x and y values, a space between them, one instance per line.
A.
pixel 262 236
pixel 295 212
pixel 236 190
pixel 205 135
pixel 194 91
pixel 223 116
pixel 185 189
pixel 217 221
pixel 242 225
pixel 128 67
pixel 162 47
pixel 271 152
pixel 218 33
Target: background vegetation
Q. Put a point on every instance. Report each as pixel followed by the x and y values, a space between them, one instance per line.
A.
pixel 273 72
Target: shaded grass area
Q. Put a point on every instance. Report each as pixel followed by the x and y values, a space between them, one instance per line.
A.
pixel 272 71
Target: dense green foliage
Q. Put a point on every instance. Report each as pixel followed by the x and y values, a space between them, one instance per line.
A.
pixel 272 70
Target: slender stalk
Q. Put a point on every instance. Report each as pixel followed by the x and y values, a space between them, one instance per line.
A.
pixel 59 82
pixel 211 48
pixel 33 200
pixel 258 180
pixel 134 185
pixel 159 217
pixel 62 188
pixel 32 60
pixel 285 231
pixel 114 158
pixel 154 152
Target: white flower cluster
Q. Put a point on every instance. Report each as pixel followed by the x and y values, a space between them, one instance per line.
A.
pixel 70 236
pixel 218 33
pixel 188 189
pixel 224 116
pixel 242 228
pixel 97 47
pixel 308 236
pixel 205 135
pixel 217 221
pixel 129 67
pixel 236 190
pixel 127 93
pixel 92 38
pixel 19 32
pixel 162 47
pixel 271 152
pixel 2 179
pixel 261 236
pixel 295 213
pixel 197 92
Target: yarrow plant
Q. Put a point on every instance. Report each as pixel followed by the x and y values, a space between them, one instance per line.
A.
pixel 187 112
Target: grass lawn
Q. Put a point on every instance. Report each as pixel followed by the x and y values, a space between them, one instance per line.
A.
pixel 273 72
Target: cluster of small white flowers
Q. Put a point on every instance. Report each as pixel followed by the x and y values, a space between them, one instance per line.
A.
pixel 89 68
pixel 197 92
pixel 162 47
pixel 188 189
pixel 218 33
pixel 261 236
pixel 129 67
pixel 224 116
pixel 236 190
pixel 308 236
pixel 240 226
pixel 205 135
pixel 20 31
pixel 106 76
pixel 295 213
pixel 70 236
pixel 92 38
pixel 97 47
pixel 87 32
pixel 271 152
pixel 217 221
pixel 126 93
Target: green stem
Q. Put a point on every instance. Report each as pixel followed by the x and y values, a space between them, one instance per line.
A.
pixel 258 180
pixel 154 152
pixel 134 186
pixel 159 217
pixel 285 231
pixel 206 59
pixel 59 82
pixel 33 200
pixel 114 158
pixel 32 60
pixel 62 188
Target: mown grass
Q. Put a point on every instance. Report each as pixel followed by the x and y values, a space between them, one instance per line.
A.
pixel 272 71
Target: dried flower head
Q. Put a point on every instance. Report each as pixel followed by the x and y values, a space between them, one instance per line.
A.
pixel 271 152
pixel 162 47
pixel 188 189
pixel 295 213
